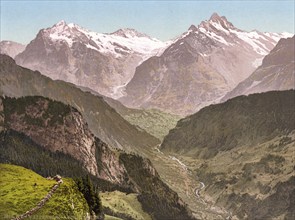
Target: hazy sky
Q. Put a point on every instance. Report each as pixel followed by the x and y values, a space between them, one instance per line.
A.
pixel 21 20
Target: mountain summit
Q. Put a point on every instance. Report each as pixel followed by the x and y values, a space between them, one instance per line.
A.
pixel 102 62
pixel 129 32
pixel 199 68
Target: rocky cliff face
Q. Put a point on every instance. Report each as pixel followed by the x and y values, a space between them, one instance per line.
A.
pixel 61 128
pixel 275 73
pixel 199 67
pixel 66 132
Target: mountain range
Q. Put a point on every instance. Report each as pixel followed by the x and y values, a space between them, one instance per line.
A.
pixel 200 126
pixel 198 68
pixel 102 62
pixel 179 76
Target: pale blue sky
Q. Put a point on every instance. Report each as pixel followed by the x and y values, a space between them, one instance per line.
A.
pixel 21 20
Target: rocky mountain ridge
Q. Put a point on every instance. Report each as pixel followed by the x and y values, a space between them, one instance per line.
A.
pixel 102 62
pixel 199 67
pixel 11 48
pixel 275 73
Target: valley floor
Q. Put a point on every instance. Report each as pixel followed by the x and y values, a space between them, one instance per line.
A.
pixel 183 180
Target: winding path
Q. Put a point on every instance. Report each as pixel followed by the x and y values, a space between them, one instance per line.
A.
pixel 198 189
pixel 40 204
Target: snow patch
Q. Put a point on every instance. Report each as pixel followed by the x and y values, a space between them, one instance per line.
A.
pixel 257 62
pixel 57 37
pixel 214 36
pixel 219 27
pixel 254 83
pixel 244 36
pixel 107 43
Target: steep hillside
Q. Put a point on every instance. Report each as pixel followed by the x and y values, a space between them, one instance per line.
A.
pixel 47 136
pixel 102 120
pixel 123 205
pixel 199 67
pixel 21 189
pixel 61 128
pixel 276 72
pixel 242 121
pixel 242 152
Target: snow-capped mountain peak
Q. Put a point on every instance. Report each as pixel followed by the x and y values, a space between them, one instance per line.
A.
pixel 129 33
pixel 217 23
pixel 103 62
pixel 60 23
pixel 220 30
pixel 118 43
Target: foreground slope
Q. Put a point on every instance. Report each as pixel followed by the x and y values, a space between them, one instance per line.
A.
pixel 103 120
pixel 49 137
pixel 243 153
pixel 276 72
pixel 21 189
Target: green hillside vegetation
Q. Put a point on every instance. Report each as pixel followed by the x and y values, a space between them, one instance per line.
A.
pixel 90 193
pixel 21 189
pixel 256 181
pixel 155 122
pixel 122 204
pixel 244 120
pixel 17 148
pixel 109 217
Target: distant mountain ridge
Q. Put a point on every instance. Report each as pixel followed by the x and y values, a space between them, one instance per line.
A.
pixel 11 48
pixel 276 72
pixel 209 60
pixel 102 62
pixel 199 67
